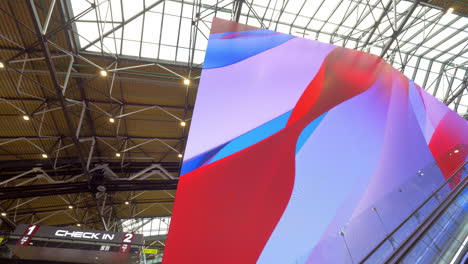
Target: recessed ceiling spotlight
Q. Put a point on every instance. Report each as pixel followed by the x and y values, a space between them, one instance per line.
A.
pixel 186 81
pixel 112 120
pixel 127 203
pixel 182 123
pixel 3 214
pixel 25 117
pixel 44 156
pixel 78 224
pixel 103 73
pixel 180 155
pixel 117 154
pixel 2 65
pixel 70 207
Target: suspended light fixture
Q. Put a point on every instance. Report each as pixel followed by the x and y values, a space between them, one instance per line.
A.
pixel 112 120
pixel 117 154
pixel 44 156
pixel 103 73
pixel 186 81
pixel 25 117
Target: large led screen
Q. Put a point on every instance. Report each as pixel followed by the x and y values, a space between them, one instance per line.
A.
pixel 304 152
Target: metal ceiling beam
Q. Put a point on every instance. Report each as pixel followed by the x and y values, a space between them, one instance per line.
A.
pixel 397 32
pixel 83 187
pixel 62 26
pixel 58 89
pixel 131 104
pixel 459 92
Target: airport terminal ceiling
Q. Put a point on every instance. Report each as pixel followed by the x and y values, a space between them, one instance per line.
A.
pixel 97 96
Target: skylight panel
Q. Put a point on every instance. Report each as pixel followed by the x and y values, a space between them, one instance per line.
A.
pixel 131 8
pixel 183 54
pixel 133 29
pixel 172 8
pixel 167 53
pixel 310 8
pixel 170 30
pixel 152 27
pixel 293 6
pixel 112 45
pixel 149 50
pixel 301 21
pixel 131 48
pixel 165 32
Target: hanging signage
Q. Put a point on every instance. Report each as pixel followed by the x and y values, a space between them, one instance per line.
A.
pixel 28 231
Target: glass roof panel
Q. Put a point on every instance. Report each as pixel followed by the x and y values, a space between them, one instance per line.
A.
pixel 168 30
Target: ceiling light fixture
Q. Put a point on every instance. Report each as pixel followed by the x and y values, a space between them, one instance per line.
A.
pixel 78 224
pixel 112 120
pixel 3 214
pixel 2 65
pixel 70 207
pixel 44 156
pixel 127 203
pixel 182 123
pixel 186 81
pixel 25 117
pixel 450 10
pixel 180 155
pixel 103 73
pixel 456 151
pixel 117 154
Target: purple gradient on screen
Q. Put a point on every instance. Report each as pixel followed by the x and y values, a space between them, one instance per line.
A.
pixel 258 84
pixel 318 173
pixel 403 144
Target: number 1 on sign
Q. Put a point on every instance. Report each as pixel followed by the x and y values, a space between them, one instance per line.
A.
pixel 31 229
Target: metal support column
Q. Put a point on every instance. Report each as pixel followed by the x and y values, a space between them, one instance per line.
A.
pixel 237 10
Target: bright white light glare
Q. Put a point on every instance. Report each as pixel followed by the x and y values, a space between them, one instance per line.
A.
pixel 186 81
pixel 3 214
pixel 127 203
pixel 70 207
pixel 450 10
pixel 103 73
pixel 456 151
pixel 78 224
pixel 182 123
pixel 180 155
pixel 44 156
pixel 25 117
pixel 112 120
pixel 2 65
pixel 117 154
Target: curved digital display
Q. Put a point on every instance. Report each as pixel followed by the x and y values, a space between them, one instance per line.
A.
pixel 303 152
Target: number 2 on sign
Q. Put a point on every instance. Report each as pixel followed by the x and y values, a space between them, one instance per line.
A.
pixel 128 238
